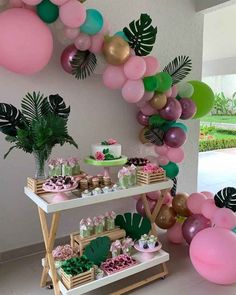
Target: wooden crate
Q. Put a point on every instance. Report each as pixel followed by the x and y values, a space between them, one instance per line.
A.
pixel 74 281
pixel 80 243
pixel 36 185
pixel 148 178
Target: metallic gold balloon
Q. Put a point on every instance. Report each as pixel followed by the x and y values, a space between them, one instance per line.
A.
pixel 166 217
pixel 179 204
pixel 142 137
pixel 116 50
pixel 158 101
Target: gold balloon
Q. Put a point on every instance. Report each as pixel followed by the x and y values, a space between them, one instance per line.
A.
pixel 179 204
pixel 158 101
pixel 142 137
pixel 116 50
pixel 166 217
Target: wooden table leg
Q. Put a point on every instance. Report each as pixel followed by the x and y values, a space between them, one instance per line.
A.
pixel 49 239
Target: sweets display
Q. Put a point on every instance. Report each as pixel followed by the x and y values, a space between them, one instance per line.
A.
pixel 119 263
pixel 59 183
pixel 64 167
pixel 137 162
pixel 148 242
pixel 124 246
pixel 106 150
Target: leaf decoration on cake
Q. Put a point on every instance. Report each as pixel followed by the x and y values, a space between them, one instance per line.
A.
pixel 10 119
pixel 98 250
pixel 58 106
pixel 174 187
pixel 83 64
pixel 141 35
pixel 134 224
pixel 156 121
pixel 226 198
pixel 179 68
pixel 155 136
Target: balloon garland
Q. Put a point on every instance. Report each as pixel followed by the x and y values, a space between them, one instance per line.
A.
pixel 127 66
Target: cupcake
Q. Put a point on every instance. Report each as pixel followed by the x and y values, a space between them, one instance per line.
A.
pixel 152 242
pixel 95 182
pixel 142 241
pixel 107 180
pixel 83 184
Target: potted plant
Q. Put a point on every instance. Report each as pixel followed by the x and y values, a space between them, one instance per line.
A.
pixel 37 128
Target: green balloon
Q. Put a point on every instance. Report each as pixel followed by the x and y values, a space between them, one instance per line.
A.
pixel 180 125
pixel 150 83
pixel 164 81
pixel 203 97
pixel 47 11
pixel 172 170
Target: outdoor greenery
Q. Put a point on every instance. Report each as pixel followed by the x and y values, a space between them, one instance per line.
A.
pixel 224 105
pixel 219 119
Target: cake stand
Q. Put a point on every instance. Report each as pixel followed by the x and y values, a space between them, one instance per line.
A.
pixel 106 164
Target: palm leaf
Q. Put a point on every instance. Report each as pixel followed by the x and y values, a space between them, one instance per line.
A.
pixel 179 68
pixel 226 198
pixel 98 250
pixel 174 187
pixel 141 35
pixel 83 64
pixel 10 119
pixel 134 224
pixel 155 136
pixel 34 106
pixel 58 106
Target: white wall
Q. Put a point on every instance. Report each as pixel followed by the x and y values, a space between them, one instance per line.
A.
pixel 97 113
pixel 208 5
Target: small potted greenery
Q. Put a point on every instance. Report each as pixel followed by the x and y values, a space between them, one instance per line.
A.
pixel 37 127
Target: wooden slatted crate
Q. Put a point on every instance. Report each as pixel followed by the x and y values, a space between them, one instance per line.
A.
pixel 148 178
pixel 74 281
pixel 77 242
pixel 36 185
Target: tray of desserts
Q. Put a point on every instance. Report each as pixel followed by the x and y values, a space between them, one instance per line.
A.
pixel 116 264
pixel 58 184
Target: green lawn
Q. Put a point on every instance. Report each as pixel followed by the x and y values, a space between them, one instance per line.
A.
pixel 219 119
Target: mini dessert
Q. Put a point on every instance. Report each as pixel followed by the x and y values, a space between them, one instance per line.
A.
pixel 148 242
pixel 100 177
pixel 119 263
pixel 86 193
pixel 107 180
pixel 59 183
pixel 110 220
pixel 83 184
pixel 89 179
pixel 152 242
pixel 137 162
pixel 106 150
pixel 95 182
pixel 142 241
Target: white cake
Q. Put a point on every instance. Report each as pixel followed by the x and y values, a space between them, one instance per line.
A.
pixel 105 151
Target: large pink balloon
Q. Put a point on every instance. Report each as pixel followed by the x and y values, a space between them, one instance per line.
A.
pixel 175 155
pixel 209 208
pixel 67 57
pixel 224 218
pixel 152 66
pixel 212 253
pixel 133 91
pixel 83 42
pixel 174 234
pixel 154 195
pixel 195 202
pixel 72 14
pixel 97 43
pixel 32 2
pixel 114 77
pixel 161 150
pixel 135 68
pixel 26 43
pixel 147 109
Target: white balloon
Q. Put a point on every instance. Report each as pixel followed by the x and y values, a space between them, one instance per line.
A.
pixel 185 90
pixel 101 65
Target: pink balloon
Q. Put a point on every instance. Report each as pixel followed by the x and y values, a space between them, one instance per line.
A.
pixel 175 155
pixel 167 199
pixel 161 150
pixel 225 218
pixel 163 160
pixel 135 68
pixel 209 195
pixel 97 43
pixel 71 33
pixel 147 96
pixel 106 27
pixel 174 91
pixel 174 234
pixel 140 104
pixel 152 66
pixel 209 208
pixel 133 91
pixel 147 109
pixel 142 119
pixel 26 42
pixel 67 57
pixel 114 77
pixel 169 93
pixel 154 195
pixel 57 2
pixel 72 14
pixel 83 42
pixel 136 197
pixel 212 253
pixel 195 202
pixel 17 3
pixel 140 207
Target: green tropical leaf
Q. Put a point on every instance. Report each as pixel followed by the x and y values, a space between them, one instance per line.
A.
pixel 10 119
pixel 141 35
pixel 58 106
pixel 34 106
pixel 155 136
pixel 10 149
pixel 98 250
pixel 179 68
pixel 134 224
pixel 83 64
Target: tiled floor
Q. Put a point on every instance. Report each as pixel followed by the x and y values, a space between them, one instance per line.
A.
pixel 21 277
pixel 216 170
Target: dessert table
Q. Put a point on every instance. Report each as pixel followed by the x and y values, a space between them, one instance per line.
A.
pixel 49 235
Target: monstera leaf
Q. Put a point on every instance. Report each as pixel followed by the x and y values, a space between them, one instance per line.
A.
pixel 141 35
pixel 226 198
pixel 134 224
pixel 155 136
pixel 10 119
pixel 179 68
pixel 97 251
pixel 34 105
pixel 58 106
pixel 83 64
